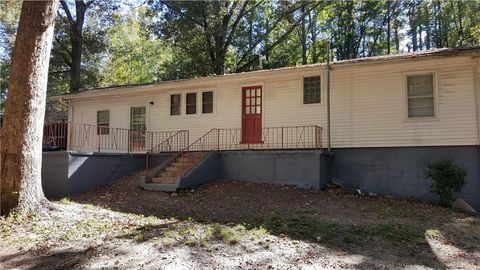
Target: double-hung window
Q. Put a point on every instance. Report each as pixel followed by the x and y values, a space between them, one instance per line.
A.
pixel 191 104
pixel 311 90
pixel 420 95
pixel 175 104
pixel 103 122
pixel 207 102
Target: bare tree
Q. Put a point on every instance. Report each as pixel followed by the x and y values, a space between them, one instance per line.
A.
pixel 21 151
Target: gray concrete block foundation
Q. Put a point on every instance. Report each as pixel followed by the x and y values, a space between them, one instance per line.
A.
pixel 400 171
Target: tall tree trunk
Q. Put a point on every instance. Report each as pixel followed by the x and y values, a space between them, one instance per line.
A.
pixel 412 19
pixel 420 40
pixel 76 40
pixel 389 21
pixel 397 38
pixel 312 20
pixel 460 23
pixel 428 29
pixel 21 152
pixel 75 68
pixel 303 38
pixel 352 51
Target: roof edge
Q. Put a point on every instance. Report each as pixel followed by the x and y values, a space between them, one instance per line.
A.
pixel 442 52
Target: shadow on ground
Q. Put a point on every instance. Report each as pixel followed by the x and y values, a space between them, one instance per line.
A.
pixel 65 259
pixel 380 229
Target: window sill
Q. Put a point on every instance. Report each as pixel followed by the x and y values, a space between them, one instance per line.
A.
pixel 422 119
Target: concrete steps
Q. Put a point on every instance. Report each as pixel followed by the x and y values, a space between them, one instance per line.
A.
pixel 166 178
pixel 163 180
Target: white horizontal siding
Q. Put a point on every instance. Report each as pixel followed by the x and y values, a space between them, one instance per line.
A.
pixel 368 104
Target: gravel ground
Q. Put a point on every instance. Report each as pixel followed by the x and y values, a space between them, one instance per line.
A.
pixel 239 225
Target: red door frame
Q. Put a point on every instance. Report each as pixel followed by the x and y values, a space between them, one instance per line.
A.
pixel 252 105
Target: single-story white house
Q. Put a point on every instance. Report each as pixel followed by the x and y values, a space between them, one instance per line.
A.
pixel 382 118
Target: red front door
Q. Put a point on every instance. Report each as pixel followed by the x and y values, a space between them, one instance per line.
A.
pixel 252 114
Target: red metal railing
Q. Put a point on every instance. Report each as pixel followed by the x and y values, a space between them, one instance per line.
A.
pixel 279 138
pixel 55 136
pixel 174 143
pixel 86 137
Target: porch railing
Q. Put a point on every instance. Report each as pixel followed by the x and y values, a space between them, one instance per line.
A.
pixel 273 138
pixel 175 143
pixel 76 136
pixel 55 136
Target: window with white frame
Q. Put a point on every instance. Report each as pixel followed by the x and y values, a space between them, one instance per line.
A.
pixel 311 90
pixel 421 99
pixel 175 104
pixel 207 102
pixel 191 103
pixel 103 122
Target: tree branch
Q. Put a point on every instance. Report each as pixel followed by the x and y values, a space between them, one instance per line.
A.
pixel 241 14
pixel 58 72
pixel 274 44
pixel 64 58
pixel 171 6
pixel 61 44
pixel 67 11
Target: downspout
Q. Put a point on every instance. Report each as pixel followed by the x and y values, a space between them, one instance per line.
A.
pixel 329 145
pixel 476 85
pixel 70 125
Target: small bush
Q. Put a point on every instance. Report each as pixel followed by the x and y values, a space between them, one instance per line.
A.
pixel 448 178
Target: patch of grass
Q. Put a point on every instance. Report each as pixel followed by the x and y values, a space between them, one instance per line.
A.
pixel 398 211
pixel 65 201
pixel 87 206
pixel 301 227
pixel 191 242
pixel 152 219
pixel 308 228
pixel 197 234
pixel 432 233
pixel 258 232
pixel 388 232
pixel 230 235
pixel 15 223
pixel 88 228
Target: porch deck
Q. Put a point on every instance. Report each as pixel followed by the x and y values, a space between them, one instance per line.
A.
pixel 172 162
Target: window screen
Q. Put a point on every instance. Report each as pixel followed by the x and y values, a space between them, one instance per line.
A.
pixel 103 122
pixel 191 104
pixel 420 96
pixel 311 90
pixel 175 104
pixel 207 102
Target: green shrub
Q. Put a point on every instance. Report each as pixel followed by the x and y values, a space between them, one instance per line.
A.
pixel 448 178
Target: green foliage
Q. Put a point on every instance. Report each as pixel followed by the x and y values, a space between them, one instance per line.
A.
pixel 432 233
pixel 65 201
pixel 4 73
pixel 134 55
pixel 9 16
pixel 448 178
pixel 166 40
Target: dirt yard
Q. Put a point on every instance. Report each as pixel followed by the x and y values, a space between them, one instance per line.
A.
pixel 239 225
